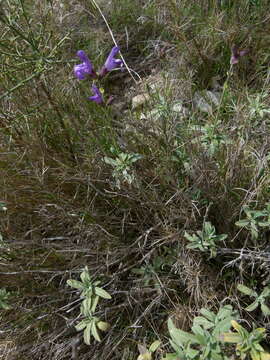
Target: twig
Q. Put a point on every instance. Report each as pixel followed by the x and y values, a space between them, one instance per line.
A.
pixel 113 38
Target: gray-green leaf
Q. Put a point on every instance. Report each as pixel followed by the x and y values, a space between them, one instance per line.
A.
pixel 102 293
pixel 75 284
pixel 252 306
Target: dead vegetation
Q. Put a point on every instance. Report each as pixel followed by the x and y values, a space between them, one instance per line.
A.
pixel 64 208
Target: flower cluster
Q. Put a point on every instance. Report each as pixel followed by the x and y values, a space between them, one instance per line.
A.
pixel 236 54
pixel 85 70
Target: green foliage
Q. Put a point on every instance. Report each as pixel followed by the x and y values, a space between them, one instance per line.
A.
pixel 248 343
pixel 67 206
pixel 254 220
pixel 146 354
pixel 4 296
pixel 203 342
pixel 210 137
pixel 91 293
pixel 90 323
pixel 257 106
pixel 88 287
pixel 205 240
pixel 39 46
pixel 259 299
pixel 121 164
pixel 149 271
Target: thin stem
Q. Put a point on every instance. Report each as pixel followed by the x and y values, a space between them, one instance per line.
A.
pixel 113 38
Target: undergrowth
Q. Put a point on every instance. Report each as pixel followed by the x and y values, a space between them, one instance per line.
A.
pixel 160 207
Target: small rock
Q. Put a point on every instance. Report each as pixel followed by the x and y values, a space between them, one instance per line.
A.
pixel 205 100
pixel 178 107
pixel 140 100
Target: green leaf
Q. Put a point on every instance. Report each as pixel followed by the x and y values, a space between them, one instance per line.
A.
pixel 216 356
pixel 202 339
pixel 195 246
pixel 209 228
pixel 146 356
pixel 206 324
pixel 4 306
pixel 175 346
pixel 222 326
pixel 255 355
pixel 231 337
pixel 246 290
pixel 265 309
pixel 224 312
pixel 85 277
pixel 95 332
pixel 254 232
pixel 110 161
pixel 221 237
pixel 171 357
pixel 258 347
pixel 153 347
pixel 265 356
pixel 190 238
pixel 87 333
pixel 191 352
pixel 208 314
pixel 242 223
pixel 102 293
pixel 179 336
pixel 264 223
pixel 81 325
pixel 75 284
pixel 103 326
pixel 252 306
pixel 266 292
pixel 240 329
pixel 198 330
pixel 257 214
pixel 86 306
pixel 94 303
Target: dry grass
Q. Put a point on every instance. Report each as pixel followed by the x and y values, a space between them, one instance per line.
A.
pixel 64 210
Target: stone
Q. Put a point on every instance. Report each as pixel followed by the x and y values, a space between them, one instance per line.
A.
pixel 206 100
pixel 139 100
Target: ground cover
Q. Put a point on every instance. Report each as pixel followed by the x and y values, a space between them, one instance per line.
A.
pixel 141 215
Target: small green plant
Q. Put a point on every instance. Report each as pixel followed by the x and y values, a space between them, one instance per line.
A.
pixel 88 287
pixel 257 106
pixel 210 138
pixel 248 343
pixel 90 293
pixel 146 354
pixel 91 323
pixel 122 167
pixel 259 299
pixel 254 220
pixel 205 240
pixel 203 342
pixel 4 296
pixel 148 274
pixel 149 271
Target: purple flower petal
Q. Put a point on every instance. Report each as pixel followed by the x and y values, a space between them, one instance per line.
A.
pixel 236 54
pixel 97 97
pixel 243 52
pixel 234 60
pixel 111 63
pixel 85 68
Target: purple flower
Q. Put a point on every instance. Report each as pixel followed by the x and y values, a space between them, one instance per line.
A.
pixel 236 54
pixel 97 97
pixel 111 63
pixel 85 68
